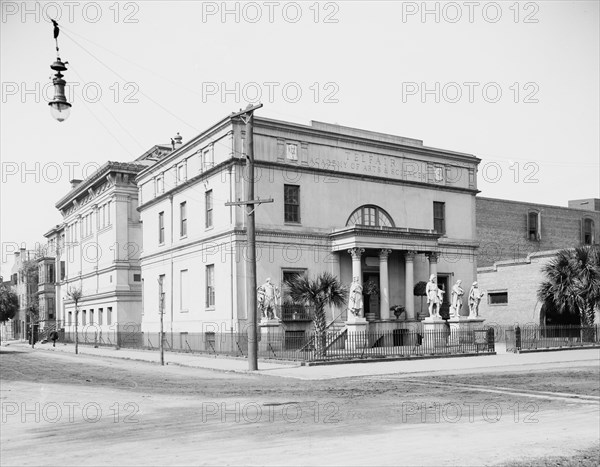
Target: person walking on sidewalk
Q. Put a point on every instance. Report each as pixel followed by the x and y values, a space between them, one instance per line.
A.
pixel 54 337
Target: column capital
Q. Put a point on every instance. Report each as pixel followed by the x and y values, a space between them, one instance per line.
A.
pixel 384 253
pixel 356 252
pixel 432 256
pixel 410 255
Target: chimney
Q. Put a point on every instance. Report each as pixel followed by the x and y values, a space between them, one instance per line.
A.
pixel 75 182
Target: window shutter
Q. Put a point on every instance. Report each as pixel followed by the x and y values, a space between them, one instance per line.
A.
pixel 539 226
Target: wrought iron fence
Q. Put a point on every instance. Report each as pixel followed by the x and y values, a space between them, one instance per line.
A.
pixel 532 337
pixel 305 346
pixel 291 312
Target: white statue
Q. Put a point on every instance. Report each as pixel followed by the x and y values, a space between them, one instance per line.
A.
pixel 456 299
pixel 475 296
pixel 355 300
pixel 433 297
pixel 267 299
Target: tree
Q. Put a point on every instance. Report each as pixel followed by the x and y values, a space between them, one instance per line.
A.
pixel 9 303
pixel 572 283
pixel 326 289
pixel 75 295
pixel 420 290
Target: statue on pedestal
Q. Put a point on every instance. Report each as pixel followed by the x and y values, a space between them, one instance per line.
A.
pixel 267 299
pixel 434 297
pixel 475 297
pixel 355 300
pixel 456 302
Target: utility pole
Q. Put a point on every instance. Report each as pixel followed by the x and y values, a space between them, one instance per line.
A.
pixel 247 117
pixel 161 304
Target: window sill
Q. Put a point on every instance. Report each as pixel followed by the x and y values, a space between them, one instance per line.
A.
pixel 498 304
pixel 295 224
pixel 184 311
pixel 209 308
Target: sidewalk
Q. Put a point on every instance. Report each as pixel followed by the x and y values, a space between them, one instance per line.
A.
pixel 219 363
pixel 398 368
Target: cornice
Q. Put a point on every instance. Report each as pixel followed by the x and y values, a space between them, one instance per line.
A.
pixel 102 172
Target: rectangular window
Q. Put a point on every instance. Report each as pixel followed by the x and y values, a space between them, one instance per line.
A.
pixel 63 271
pixel 108 212
pixel 183 219
pixel 109 315
pixel 498 298
pixel 137 278
pixel 209 208
pixel 207 156
pixel 159 186
pixel 70 320
pixel 588 231
pixel 100 312
pixel 91 316
pixel 183 290
pixel 533 226
pixel 210 286
pixel 161 227
pixel 181 173
pixel 439 217
pixel 83 318
pixel 291 195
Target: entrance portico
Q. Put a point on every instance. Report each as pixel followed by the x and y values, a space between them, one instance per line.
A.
pixel 387 256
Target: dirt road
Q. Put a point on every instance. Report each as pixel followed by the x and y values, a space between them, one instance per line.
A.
pixel 80 410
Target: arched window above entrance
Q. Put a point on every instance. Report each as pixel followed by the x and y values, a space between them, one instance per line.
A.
pixel 370 215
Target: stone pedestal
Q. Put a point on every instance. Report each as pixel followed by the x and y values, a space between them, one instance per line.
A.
pixel 271 336
pixel 357 333
pixel 460 327
pixel 435 333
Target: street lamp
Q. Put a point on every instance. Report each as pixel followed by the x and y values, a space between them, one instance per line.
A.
pixel 59 107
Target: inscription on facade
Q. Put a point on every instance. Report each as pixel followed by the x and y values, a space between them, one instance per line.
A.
pixel 401 167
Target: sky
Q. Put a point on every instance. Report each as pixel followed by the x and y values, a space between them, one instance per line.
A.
pixel 513 83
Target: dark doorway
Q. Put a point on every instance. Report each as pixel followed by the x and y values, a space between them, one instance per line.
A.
pixel 443 284
pixel 371 300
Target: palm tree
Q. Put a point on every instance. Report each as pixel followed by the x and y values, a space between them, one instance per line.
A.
pixel 326 289
pixel 75 295
pixel 572 283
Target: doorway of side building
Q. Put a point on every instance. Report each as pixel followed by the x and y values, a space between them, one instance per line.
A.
pixel 371 301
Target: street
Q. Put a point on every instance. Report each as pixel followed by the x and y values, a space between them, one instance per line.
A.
pixel 80 409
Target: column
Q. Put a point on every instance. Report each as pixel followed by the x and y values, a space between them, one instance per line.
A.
pixel 409 284
pixel 356 265
pixel 432 257
pixel 384 285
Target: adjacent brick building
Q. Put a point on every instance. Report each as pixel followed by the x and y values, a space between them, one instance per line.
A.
pixel 510 230
pixel 516 240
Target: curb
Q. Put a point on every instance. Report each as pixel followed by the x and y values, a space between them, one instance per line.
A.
pixel 555 349
pixel 396 359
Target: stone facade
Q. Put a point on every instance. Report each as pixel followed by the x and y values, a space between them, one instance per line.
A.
pixel 97 249
pixel 383 208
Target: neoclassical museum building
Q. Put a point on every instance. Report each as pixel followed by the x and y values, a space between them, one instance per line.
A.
pixel 356 203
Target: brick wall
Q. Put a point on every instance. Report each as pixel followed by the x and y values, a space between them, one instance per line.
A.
pixel 520 279
pixel 502 229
